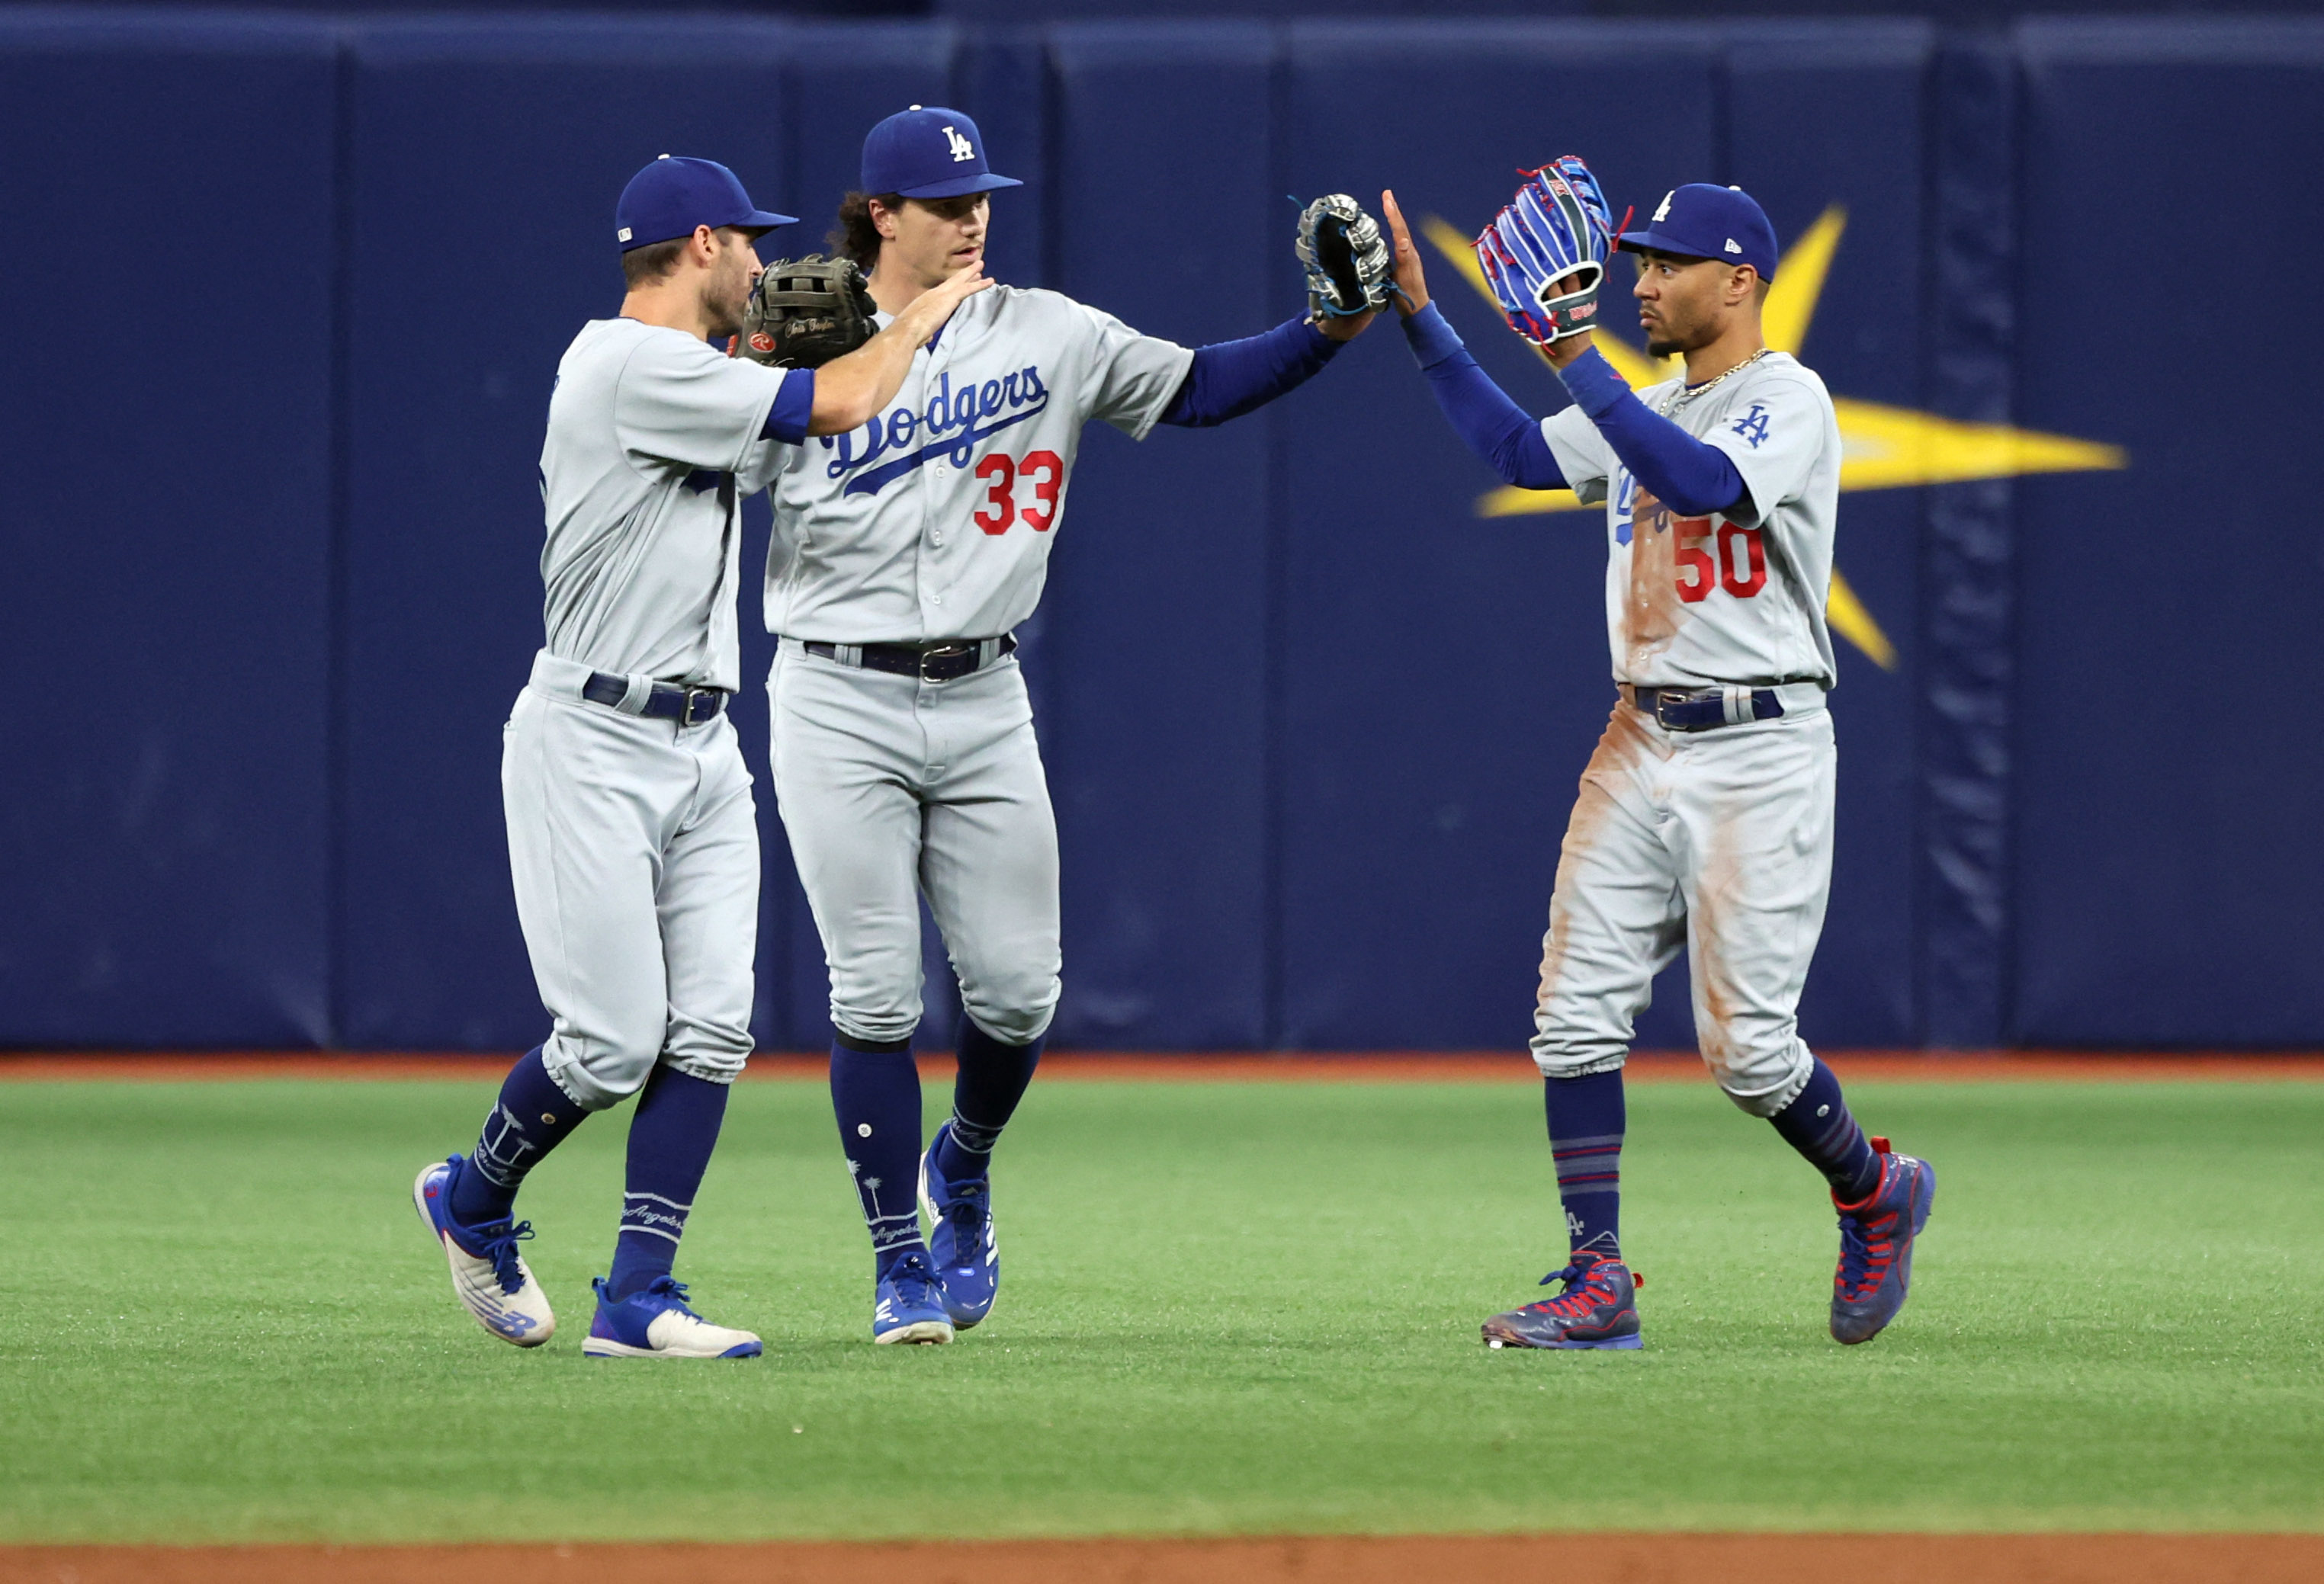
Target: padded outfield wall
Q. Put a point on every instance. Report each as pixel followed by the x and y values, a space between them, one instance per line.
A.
pixel 287 295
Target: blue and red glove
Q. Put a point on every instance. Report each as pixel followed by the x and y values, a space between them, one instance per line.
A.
pixel 1544 254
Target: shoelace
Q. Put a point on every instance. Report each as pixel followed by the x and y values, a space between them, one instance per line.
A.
pixel 914 1280
pixel 500 1248
pixel 965 1216
pixel 1865 1254
pixel 1580 1295
pixel 673 1289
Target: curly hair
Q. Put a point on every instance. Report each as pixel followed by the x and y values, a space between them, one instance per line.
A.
pixel 853 233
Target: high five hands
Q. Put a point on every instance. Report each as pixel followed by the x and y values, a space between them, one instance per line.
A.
pixel 1411 285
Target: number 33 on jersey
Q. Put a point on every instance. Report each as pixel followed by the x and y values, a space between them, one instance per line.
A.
pixel 1043 471
pixel 1694 602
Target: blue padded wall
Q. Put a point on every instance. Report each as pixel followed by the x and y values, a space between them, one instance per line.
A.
pixel 2169 886
pixel 1152 652
pixel 165 484
pixel 1313 721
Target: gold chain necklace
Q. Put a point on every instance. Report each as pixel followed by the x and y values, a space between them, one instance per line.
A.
pixel 1689 393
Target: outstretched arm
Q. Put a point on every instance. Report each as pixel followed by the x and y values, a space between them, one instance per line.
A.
pixel 1693 479
pixel 1495 429
pixel 852 390
pixel 1231 378
pixel 1481 412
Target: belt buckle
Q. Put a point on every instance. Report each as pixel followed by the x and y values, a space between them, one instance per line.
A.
pixel 942 651
pixel 1663 695
pixel 693 696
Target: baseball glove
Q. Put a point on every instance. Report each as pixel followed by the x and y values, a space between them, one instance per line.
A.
pixel 1348 263
pixel 805 312
pixel 1544 254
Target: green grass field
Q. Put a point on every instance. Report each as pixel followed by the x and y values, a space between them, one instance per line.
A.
pixel 1228 1308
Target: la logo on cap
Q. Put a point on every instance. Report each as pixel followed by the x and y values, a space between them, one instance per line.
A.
pixel 961 148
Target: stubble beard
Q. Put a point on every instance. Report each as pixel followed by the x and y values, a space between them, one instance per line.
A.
pixel 723 303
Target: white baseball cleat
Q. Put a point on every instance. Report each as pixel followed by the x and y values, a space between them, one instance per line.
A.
pixel 656 1325
pixel 908 1304
pixel 489 1278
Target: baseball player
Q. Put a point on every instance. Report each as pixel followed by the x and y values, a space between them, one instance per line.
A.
pixel 1705 815
pixel 632 839
pixel 903 750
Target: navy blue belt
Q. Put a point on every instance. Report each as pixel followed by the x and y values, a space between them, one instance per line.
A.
pixel 931 662
pixel 1699 709
pixel 688 706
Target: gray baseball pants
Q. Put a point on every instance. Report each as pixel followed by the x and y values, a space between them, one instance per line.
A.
pixel 893 788
pixel 1720 842
pixel 635 855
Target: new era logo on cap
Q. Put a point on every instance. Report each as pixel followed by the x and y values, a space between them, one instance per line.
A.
pixel 1733 245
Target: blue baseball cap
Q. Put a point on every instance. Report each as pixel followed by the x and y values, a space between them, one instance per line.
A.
pixel 928 153
pixel 1705 222
pixel 669 198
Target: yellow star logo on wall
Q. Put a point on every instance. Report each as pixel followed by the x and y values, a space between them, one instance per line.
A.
pixel 1881 447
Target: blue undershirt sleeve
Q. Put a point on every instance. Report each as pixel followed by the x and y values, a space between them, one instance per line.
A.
pixel 787 420
pixel 1230 378
pixel 1691 478
pixel 1481 412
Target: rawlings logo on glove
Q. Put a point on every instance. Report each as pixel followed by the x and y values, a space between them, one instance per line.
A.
pixel 1544 254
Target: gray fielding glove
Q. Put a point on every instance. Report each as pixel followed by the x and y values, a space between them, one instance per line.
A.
pixel 1347 261
pixel 805 312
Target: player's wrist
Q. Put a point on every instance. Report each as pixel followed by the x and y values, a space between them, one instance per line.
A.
pixel 1561 353
pixel 1431 335
pixel 1593 384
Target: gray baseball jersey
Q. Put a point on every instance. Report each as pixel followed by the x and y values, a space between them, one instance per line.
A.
pixel 930 523
pixel 632 845
pixel 1739 596
pixel 934 520
pixel 1719 840
pixel 647 430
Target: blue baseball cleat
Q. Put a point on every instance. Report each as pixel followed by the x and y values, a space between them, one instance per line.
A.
pixel 656 1325
pixel 909 1303
pixel 962 1245
pixel 1875 1245
pixel 491 1281
pixel 1597 1309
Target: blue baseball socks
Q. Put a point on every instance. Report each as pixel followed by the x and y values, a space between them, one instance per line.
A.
pixel 671 1135
pixel 1818 1124
pixel 1586 1122
pixel 984 1096
pixel 875 1094
pixel 531 1117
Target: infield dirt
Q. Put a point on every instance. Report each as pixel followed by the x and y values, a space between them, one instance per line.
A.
pixel 1635 1559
